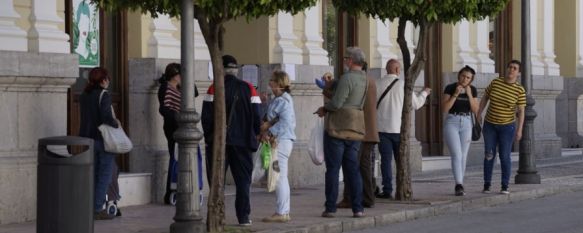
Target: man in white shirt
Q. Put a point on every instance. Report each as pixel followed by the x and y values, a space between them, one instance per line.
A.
pixel 389 109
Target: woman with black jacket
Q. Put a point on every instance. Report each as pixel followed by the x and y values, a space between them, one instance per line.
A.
pixel 95 108
pixel 170 98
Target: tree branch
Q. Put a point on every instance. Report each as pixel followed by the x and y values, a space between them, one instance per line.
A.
pixel 403 45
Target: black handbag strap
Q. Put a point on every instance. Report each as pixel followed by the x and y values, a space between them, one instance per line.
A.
pixel 386 91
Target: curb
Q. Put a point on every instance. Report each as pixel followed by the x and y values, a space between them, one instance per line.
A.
pixel 456 207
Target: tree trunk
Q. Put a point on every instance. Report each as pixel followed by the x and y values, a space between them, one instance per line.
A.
pixel 404 190
pixel 216 199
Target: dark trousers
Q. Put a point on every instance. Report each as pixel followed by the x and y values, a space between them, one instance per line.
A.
pixel 240 160
pixel 342 153
pixel 368 186
pixel 388 147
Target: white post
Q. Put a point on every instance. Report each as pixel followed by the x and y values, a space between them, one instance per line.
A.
pixel 313 53
pixel 201 51
pixel 464 50
pixel 383 45
pixel 552 68
pixel 12 37
pixel 538 67
pixel 162 43
pixel 285 51
pixel 485 63
pixel 44 34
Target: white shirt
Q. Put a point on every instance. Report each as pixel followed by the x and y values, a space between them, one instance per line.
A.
pixel 391 107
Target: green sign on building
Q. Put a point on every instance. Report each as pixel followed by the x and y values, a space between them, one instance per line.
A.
pixel 86 33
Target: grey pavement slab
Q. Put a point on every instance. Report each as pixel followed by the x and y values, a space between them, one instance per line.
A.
pixel 433 195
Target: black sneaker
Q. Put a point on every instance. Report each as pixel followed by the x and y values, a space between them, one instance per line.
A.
pixel 504 190
pixel 486 188
pixel 459 190
pixel 384 195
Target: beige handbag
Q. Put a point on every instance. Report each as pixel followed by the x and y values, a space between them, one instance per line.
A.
pixel 348 122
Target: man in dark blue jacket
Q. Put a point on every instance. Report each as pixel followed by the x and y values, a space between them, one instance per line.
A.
pixel 243 121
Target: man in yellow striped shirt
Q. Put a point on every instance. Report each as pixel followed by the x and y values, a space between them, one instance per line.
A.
pixel 507 101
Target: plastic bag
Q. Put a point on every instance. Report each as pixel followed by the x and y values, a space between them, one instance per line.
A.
pixel 265 155
pixel 316 143
pixel 258 170
pixel 273 174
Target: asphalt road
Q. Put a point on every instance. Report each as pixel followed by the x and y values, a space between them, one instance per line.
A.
pixel 554 214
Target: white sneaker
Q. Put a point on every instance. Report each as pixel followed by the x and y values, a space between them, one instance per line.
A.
pixel 246 224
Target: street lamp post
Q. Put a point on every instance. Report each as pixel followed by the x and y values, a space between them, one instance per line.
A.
pixel 527 173
pixel 187 218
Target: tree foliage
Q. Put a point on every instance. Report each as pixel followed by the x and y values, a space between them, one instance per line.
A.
pixel 213 9
pixel 423 13
pixel 430 11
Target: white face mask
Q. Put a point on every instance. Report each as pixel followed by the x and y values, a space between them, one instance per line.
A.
pixel 346 68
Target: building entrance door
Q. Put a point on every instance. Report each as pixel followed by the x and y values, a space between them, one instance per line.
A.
pixel 428 120
pixel 112 49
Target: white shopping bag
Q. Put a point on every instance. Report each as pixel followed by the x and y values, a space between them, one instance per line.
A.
pixel 316 143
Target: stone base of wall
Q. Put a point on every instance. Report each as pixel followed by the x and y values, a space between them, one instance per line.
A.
pixel 569 113
pixel 33 92
pixel 18 187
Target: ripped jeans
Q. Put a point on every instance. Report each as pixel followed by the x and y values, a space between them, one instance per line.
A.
pixel 500 137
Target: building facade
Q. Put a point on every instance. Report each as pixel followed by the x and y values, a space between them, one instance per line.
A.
pixel 43 68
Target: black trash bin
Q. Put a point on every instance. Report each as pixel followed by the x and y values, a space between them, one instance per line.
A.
pixel 65 186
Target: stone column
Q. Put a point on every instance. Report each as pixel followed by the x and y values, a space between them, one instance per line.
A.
pixel 538 67
pixel 548 53
pixel 411 36
pixel 313 53
pixel 13 37
pixel 464 51
pixel 44 34
pixel 201 51
pixel 162 43
pixel 285 50
pixel 480 44
pixel 383 45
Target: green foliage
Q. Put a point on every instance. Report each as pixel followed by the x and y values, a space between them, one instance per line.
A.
pixel 215 9
pixel 445 11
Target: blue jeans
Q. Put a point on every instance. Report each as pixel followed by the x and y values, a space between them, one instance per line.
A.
pixel 388 146
pixel 103 164
pixel 340 152
pixel 457 133
pixel 501 137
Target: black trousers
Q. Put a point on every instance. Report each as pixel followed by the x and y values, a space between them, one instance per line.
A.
pixel 240 160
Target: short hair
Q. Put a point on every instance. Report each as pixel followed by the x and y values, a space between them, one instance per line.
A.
pixel 391 64
pixel 232 71
pixel 517 62
pixel 356 55
pixel 281 79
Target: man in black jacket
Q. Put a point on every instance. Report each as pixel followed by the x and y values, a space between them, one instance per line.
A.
pixel 243 121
